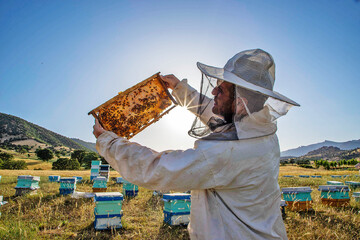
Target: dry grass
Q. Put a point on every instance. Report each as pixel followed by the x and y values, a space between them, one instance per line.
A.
pixel 47 215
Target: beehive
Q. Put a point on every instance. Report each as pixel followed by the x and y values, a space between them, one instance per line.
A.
pixel 119 180
pixel 282 207
pixel 99 184
pixel 26 184
pixel 130 189
pixel 177 208
pixel 352 184
pixel 95 169
pixel 54 178
pixel 2 202
pixel 297 198
pixel 289 176
pixel 107 210
pixel 334 195
pixel 316 176
pixel 336 176
pixel 131 111
pixel 304 176
pixel 67 185
pixel 356 196
pixel 105 171
pixel 334 183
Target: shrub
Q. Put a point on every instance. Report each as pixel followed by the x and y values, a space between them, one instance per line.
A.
pixel 44 154
pixel 12 165
pixel 66 164
pixel 6 156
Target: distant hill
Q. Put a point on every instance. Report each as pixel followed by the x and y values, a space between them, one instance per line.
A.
pixel 88 145
pixel 303 150
pixel 14 128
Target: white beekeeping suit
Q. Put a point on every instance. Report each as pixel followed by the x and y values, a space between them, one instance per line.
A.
pixel 232 169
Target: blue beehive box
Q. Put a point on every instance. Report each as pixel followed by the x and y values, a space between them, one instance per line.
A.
pixel 119 180
pixel 336 176
pixel 177 208
pixel 304 176
pixel 67 185
pixel 334 191
pixel 289 176
pixel 107 210
pixel 298 194
pixel 316 176
pixel 100 182
pixel 334 183
pixel 54 178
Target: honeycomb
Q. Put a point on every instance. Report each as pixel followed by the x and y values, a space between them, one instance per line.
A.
pixel 131 111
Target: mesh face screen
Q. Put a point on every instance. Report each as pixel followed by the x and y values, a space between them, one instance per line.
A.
pixel 134 109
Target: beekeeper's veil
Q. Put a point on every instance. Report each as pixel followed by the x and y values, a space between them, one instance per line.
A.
pixel 256 107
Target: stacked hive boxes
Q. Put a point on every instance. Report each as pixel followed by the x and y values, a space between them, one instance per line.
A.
pixel 298 198
pixel 105 171
pixel 99 184
pixel 130 189
pixel 95 169
pixel 177 208
pixel 54 178
pixel 26 184
pixel 67 185
pixel 107 210
pixel 353 185
pixel 334 195
pixel 334 183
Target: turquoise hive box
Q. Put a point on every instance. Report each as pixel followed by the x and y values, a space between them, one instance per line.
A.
pixel 107 210
pixel 119 180
pixel 78 179
pixel 177 208
pixel 297 194
pixel 28 181
pixel 100 182
pixel 334 183
pixel 108 203
pixel 95 169
pixel 304 176
pixel 177 202
pixel 334 192
pixel 67 185
pixel 130 189
pixel 54 178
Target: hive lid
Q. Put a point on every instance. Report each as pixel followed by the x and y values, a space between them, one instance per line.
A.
pixel 296 189
pixel 108 196
pixel 100 178
pixel 333 188
pixel 176 196
pixel 68 179
pixel 136 108
pixel 352 182
pixel 335 182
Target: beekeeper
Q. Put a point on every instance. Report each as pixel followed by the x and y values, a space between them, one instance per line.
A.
pixel 233 168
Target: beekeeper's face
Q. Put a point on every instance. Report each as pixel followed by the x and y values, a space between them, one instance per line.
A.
pixel 224 99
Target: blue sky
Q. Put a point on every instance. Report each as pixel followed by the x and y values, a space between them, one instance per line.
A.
pixel 60 59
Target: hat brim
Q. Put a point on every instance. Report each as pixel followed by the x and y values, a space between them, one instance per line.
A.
pixel 222 74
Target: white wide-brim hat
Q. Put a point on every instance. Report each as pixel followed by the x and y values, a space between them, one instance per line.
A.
pixel 251 69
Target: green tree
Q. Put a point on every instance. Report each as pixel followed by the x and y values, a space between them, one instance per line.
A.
pixel 66 164
pixel 21 164
pixel 90 156
pixel 6 156
pixel 78 155
pixel 44 154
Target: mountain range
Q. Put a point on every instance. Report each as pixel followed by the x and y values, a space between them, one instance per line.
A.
pixel 13 128
pixel 303 150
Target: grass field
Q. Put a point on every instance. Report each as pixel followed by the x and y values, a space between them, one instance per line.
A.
pixel 47 215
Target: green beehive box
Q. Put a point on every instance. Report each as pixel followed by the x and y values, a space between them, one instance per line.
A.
pixel 297 194
pixel 94 170
pixel 95 162
pixel 177 202
pixel 68 183
pixel 28 181
pixel 334 191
